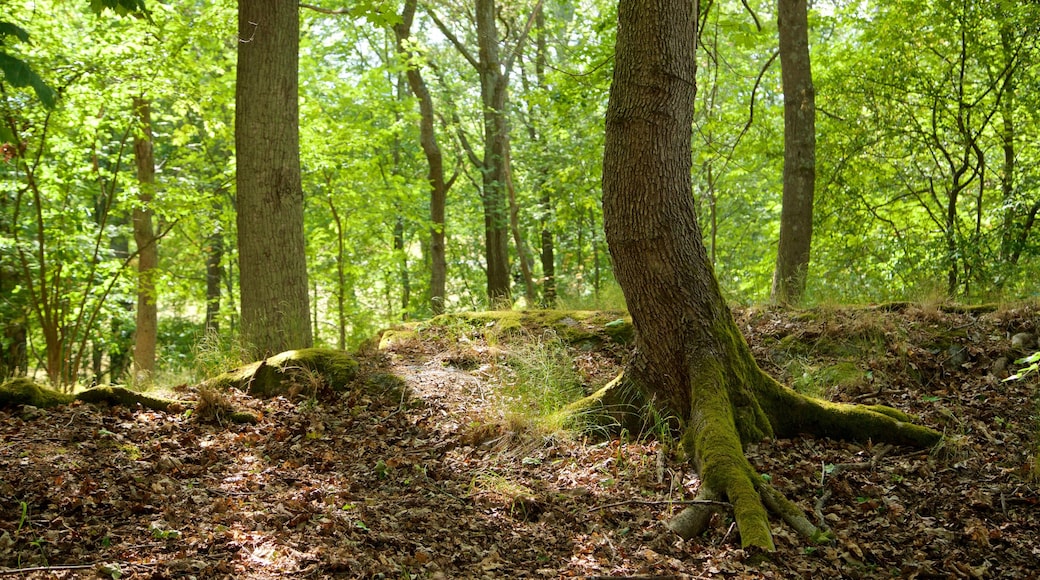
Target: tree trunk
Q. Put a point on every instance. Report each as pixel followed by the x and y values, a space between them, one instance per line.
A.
pixel 691 359
pixel 214 273
pixel 271 246
pixel 14 359
pixel 434 159
pixel 796 215
pixel 341 278
pixel 402 267
pixel 147 314
pixel 493 91
pixel 522 255
pixel 547 252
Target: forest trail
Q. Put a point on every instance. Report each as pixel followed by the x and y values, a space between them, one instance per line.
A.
pixel 442 484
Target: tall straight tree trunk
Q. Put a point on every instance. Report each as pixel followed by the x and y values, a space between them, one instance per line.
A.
pixel 796 215
pixel 434 159
pixel 691 359
pixel 214 273
pixel 147 314
pixel 402 267
pixel 522 255
pixel 547 253
pixel 272 255
pixel 493 92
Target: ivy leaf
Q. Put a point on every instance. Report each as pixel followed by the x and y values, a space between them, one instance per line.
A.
pixel 18 73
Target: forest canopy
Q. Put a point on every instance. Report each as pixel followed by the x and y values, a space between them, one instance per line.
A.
pixel 926 163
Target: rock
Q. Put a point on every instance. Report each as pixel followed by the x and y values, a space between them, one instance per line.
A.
pixel 1023 341
pixel 956 355
pixel 999 368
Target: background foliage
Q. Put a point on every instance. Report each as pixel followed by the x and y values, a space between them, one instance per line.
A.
pixel 927 161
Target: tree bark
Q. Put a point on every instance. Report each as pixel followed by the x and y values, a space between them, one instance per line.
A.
pixel 147 313
pixel 494 84
pixel 214 273
pixel 796 215
pixel 434 159
pixel 341 277
pixel 402 266
pixel 691 360
pixel 272 251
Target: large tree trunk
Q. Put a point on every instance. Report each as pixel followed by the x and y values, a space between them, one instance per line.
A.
pixel 691 359
pixel 434 159
pixel 796 215
pixel 147 313
pixel 271 246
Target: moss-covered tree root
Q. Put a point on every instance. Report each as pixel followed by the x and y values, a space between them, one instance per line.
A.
pixel 734 405
pixel 23 391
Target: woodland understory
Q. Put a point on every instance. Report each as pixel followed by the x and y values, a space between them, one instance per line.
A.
pixel 438 481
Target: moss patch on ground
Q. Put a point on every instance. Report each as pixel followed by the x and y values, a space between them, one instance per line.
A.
pixel 589 328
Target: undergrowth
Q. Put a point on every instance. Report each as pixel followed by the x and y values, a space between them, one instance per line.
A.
pixel 539 379
pixel 217 353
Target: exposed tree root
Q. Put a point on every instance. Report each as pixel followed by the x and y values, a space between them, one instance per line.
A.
pixel 23 391
pixel 694 519
pixel 733 406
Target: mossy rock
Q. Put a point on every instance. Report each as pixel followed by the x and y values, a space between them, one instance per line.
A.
pixel 303 371
pixel 397 336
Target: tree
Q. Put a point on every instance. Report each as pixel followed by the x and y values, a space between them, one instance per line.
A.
pixel 272 250
pixel 796 217
pixel 494 71
pixel 147 313
pixel 691 360
pixel 439 186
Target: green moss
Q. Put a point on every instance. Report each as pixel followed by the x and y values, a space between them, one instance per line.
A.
pixel 793 413
pixel 620 330
pixel 244 418
pixel 620 404
pixel 292 372
pixel 396 336
pixel 576 327
pixel 23 391
pixel 815 381
pixel 124 397
pixel 713 440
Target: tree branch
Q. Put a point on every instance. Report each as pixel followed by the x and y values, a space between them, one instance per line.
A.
pixel 454 39
pixel 325 10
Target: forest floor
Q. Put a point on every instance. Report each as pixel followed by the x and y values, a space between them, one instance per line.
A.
pixel 443 484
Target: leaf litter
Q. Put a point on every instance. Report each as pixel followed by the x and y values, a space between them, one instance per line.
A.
pixel 435 485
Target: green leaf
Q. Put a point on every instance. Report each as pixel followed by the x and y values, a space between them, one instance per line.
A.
pixel 18 73
pixel 9 29
pixel 120 7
